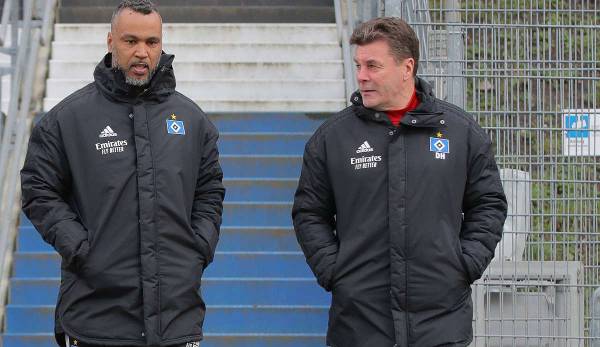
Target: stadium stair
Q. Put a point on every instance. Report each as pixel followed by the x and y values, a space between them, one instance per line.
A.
pixel 230 67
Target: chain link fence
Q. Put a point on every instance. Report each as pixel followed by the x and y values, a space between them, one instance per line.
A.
pixel 529 72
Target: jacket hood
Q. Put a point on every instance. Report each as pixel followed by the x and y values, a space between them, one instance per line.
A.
pixel 111 82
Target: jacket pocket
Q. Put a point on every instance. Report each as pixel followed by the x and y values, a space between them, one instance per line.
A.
pixel 202 247
pixel 462 263
pixel 80 258
pixel 335 271
pixel 83 253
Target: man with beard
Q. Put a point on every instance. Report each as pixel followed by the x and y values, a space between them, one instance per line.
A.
pixel 399 205
pixel 122 178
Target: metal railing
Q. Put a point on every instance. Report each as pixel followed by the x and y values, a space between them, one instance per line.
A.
pixel 529 72
pixel 29 23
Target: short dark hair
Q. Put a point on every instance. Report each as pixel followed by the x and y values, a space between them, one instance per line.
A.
pixel 401 38
pixel 140 6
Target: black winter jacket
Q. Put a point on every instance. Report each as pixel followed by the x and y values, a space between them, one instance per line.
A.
pixel 379 215
pixel 126 185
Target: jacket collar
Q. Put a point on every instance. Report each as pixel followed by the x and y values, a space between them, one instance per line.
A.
pixel 427 114
pixel 111 82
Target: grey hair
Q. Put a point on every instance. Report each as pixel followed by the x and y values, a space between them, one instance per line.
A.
pixel 140 6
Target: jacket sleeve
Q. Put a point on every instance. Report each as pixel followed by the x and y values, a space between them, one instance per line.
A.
pixel 313 214
pixel 208 196
pixel 45 186
pixel 484 206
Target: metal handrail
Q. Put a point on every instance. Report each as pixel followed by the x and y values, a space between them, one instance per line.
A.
pixel 24 50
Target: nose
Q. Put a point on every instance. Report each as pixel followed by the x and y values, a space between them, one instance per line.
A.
pixel 141 51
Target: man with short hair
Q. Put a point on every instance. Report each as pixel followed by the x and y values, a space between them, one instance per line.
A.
pixel 399 206
pixel 122 178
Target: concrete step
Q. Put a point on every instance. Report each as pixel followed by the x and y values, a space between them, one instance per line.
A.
pixel 257 214
pixel 5 59
pixel 210 340
pixel 215 291
pixel 253 239
pixel 262 105
pixel 309 71
pixel 206 32
pixel 232 239
pixel 252 166
pixel 29 240
pixel 226 264
pixel 6 87
pixel 234 89
pixel 209 14
pixel 6 84
pixel 262 143
pixel 219 319
pixel 5 91
pixel 213 51
pixel 262 122
pixel 8 37
pixel 261 189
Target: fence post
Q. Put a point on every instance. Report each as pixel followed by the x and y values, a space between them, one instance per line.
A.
pixel 455 46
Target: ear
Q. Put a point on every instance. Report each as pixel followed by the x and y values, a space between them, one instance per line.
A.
pixel 409 67
pixel 109 42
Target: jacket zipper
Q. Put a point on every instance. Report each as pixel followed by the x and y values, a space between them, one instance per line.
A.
pixel 405 250
pixel 394 132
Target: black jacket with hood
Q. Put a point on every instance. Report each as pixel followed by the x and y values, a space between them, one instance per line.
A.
pixel 126 185
pixel 379 215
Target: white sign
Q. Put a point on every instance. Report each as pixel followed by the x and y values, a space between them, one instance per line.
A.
pixel 581 134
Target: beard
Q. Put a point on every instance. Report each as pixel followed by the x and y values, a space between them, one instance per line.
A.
pixel 132 81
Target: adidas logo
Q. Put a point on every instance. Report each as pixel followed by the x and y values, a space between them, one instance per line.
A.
pixel 365 147
pixel 107 132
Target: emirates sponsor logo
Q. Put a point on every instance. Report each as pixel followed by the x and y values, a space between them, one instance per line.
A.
pixel 111 147
pixel 365 162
